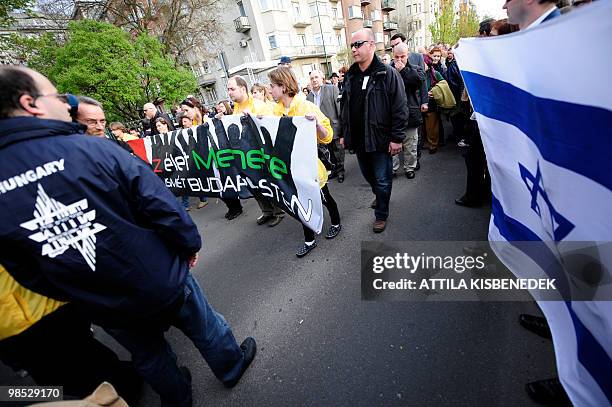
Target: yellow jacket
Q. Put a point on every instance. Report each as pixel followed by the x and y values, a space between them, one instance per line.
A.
pixel 20 308
pixel 300 107
pixel 255 106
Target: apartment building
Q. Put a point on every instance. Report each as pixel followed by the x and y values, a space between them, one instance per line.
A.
pixel 416 16
pixel 259 32
pixel 374 14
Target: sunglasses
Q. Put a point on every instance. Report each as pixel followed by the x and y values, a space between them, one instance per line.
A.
pixel 358 44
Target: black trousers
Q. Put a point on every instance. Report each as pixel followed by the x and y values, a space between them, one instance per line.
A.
pixel 337 156
pixel 60 350
pixel 332 208
pixel 478 183
pixel 233 204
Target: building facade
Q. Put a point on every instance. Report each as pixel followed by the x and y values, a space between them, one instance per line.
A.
pixel 259 32
pixel 374 14
pixel 415 17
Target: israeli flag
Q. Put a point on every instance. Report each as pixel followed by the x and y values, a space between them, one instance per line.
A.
pixel 543 102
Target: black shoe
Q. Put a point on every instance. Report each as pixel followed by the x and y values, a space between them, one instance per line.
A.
pixel 373 205
pixel 304 250
pixel 340 178
pixel 535 324
pixel 410 174
pixel 467 203
pixel 231 215
pixel 418 166
pixel 277 219
pixel 249 349
pixel 548 392
pixel 333 231
pixel 433 150
pixel 264 218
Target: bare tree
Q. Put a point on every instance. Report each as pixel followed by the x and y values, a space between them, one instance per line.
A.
pixel 183 26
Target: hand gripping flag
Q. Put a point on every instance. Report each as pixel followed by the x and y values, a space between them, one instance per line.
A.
pixel 545 118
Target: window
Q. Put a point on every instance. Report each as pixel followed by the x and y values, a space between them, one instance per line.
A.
pixel 376 15
pixel 355 12
pixel 409 9
pixel 205 67
pixel 318 40
pixel 302 39
pixel 339 40
pixel 379 37
pixel 296 10
pixel 272 41
pixel 267 5
pixel 241 8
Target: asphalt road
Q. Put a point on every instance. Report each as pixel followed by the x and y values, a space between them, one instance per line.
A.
pixel 320 344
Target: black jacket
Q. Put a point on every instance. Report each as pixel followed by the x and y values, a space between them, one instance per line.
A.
pixel 454 79
pixel 83 221
pixel 386 109
pixel 413 77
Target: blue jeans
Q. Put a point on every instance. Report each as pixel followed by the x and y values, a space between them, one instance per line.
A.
pixel 156 362
pixel 377 169
pixel 185 201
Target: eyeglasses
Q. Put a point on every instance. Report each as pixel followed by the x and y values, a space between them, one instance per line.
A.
pixel 62 97
pixel 358 44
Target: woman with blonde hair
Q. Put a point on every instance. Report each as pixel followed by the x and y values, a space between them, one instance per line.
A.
pixel 284 88
pixel 262 93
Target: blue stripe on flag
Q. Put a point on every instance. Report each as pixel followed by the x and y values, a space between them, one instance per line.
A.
pixel 576 137
pixel 591 354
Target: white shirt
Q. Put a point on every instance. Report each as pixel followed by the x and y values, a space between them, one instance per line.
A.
pixel 540 19
pixel 317 96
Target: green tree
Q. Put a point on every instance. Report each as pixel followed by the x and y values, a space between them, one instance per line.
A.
pixel 345 56
pixel 38 51
pixel 468 24
pixel 445 29
pixel 102 61
pixel 450 26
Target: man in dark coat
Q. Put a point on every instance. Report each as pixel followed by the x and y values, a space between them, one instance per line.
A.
pixel 374 116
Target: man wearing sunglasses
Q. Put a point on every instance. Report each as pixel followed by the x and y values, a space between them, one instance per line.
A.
pixel 84 222
pixel 373 119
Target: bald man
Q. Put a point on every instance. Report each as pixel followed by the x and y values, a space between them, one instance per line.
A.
pixel 152 114
pixel 374 115
pixel 413 77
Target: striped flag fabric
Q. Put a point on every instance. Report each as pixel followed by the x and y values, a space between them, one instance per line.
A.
pixel 543 102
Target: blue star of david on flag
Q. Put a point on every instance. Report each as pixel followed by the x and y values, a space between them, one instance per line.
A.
pixel 560 225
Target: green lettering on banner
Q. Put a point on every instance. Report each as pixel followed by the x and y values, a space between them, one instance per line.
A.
pixel 277 166
pixel 255 159
pixel 211 157
pixel 240 154
pixel 222 157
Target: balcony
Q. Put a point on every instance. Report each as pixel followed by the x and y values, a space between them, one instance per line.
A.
pixel 388 5
pixel 338 24
pixel 389 26
pixel 365 2
pixel 367 23
pixel 301 21
pixel 242 24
